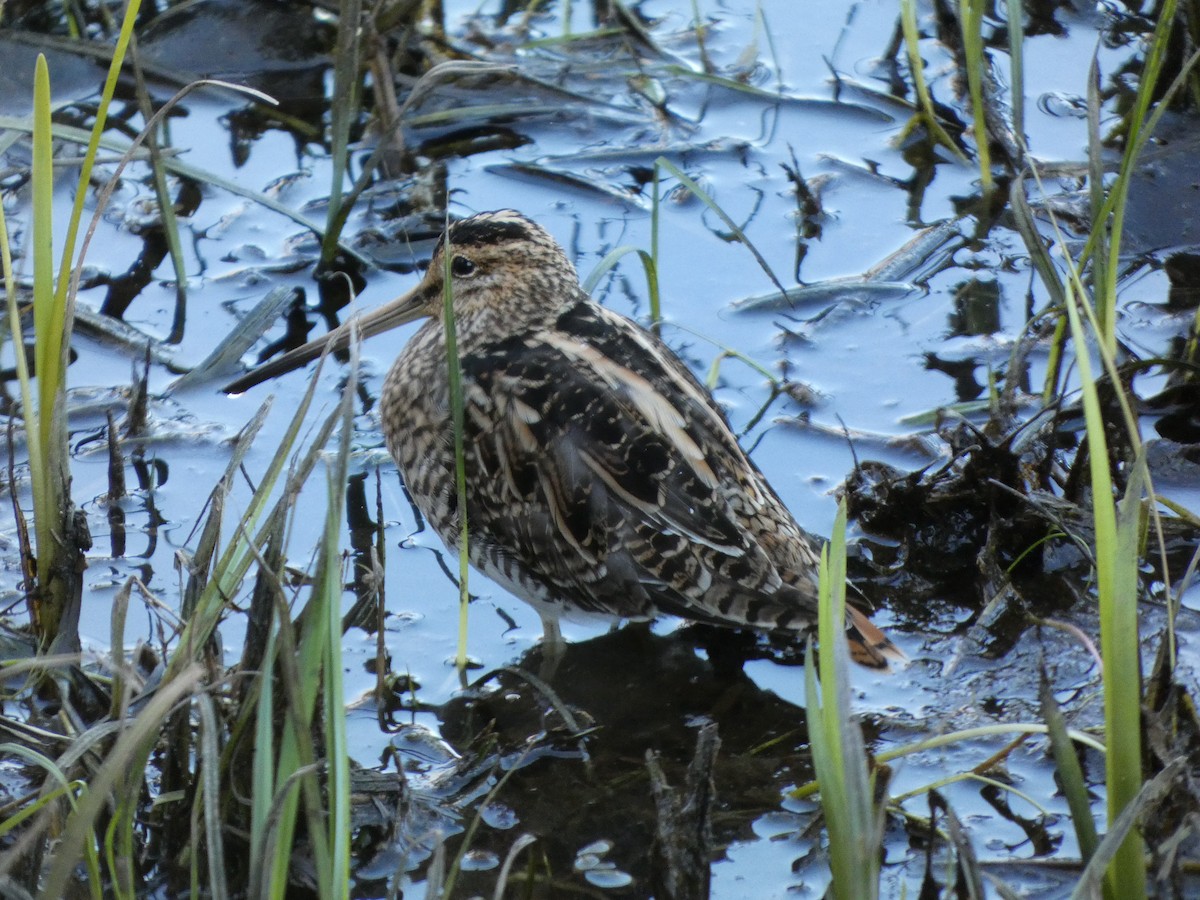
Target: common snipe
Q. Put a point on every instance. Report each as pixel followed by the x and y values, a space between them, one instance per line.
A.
pixel 602 476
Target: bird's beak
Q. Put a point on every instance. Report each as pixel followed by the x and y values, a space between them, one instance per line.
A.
pixel 404 309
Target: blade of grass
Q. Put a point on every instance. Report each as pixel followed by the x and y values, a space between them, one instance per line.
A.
pixel 916 68
pixel 1015 20
pixel 68 789
pixel 33 440
pixel 1104 294
pixel 1139 129
pixel 647 259
pixel 457 402
pixel 235 559
pixel 1123 827
pixel 970 21
pixel 166 204
pixel 1070 774
pixel 46 469
pixel 262 779
pixel 663 163
pixel 330 585
pixel 652 276
pixel 839 757
pixel 514 851
pixel 344 107
pixel 129 755
pixel 85 174
pixel 328 830
pixel 209 795
pixel 1116 567
pixel 955 737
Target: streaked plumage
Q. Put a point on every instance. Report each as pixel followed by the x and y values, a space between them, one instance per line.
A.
pixel 602 477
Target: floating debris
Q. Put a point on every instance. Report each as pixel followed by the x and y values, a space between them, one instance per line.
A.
pixel 883 281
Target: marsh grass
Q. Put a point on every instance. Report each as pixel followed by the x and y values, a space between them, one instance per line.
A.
pixel 317 694
pixel 926 111
pixel 1088 318
pixel 1118 532
pixel 457 412
pixel 846 781
pixel 293 704
pixel 1015 23
pixel 88 806
pixel 60 534
pixel 1123 506
pixel 1109 197
pixel 650 259
pixel 154 138
pixel 344 110
pixel 279 736
pixel 970 21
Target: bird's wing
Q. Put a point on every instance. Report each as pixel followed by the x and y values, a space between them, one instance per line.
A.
pixel 597 423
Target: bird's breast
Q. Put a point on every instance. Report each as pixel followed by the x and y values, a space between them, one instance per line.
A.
pixel 417 425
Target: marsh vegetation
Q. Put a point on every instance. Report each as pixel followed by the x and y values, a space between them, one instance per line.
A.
pixel 939 263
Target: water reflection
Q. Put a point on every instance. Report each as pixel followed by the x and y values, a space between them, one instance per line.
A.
pixel 579 743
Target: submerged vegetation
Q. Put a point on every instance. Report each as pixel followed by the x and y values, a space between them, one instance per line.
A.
pixel 218 750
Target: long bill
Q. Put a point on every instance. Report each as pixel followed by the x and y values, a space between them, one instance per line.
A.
pixel 400 311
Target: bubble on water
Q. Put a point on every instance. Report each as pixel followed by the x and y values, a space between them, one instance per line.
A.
pixel 608 878
pixel 498 816
pixel 479 861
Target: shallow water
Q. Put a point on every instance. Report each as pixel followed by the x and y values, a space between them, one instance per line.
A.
pixel 863 353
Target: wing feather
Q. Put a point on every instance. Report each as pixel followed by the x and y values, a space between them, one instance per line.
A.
pixel 620 483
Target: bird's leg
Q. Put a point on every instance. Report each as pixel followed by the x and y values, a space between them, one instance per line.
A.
pixel 553 647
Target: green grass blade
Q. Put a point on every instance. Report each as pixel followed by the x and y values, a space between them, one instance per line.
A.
pixel 457 407
pixel 663 163
pixel 48 333
pixel 916 68
pixel 648 266
pixel 1070 774
pixel 63 300
pixel 343 110
pixel 305 682
pixel 128 754
pixel 235 559
pixel 1108 852
pixel 262 777
pixel 209 759
pixel 839 756
pixel 655 222
pixel 1104 292
pixel 330 587
pixel 970 21
pixel 32 436
pixel 1118 629
pixel 1015 19
pixel 1138 132
pixel 45 801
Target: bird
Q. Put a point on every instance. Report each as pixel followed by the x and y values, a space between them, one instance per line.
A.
pixel 602 476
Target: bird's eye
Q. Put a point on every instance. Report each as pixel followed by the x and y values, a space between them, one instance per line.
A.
pixel 462 267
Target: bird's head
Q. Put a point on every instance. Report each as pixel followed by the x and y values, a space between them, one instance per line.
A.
pixel 503 268
pixel 505 271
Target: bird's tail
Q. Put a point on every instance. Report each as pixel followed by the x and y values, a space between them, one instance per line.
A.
pixel 869 646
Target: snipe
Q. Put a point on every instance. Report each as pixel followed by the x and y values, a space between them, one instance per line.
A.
pixel 602 476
